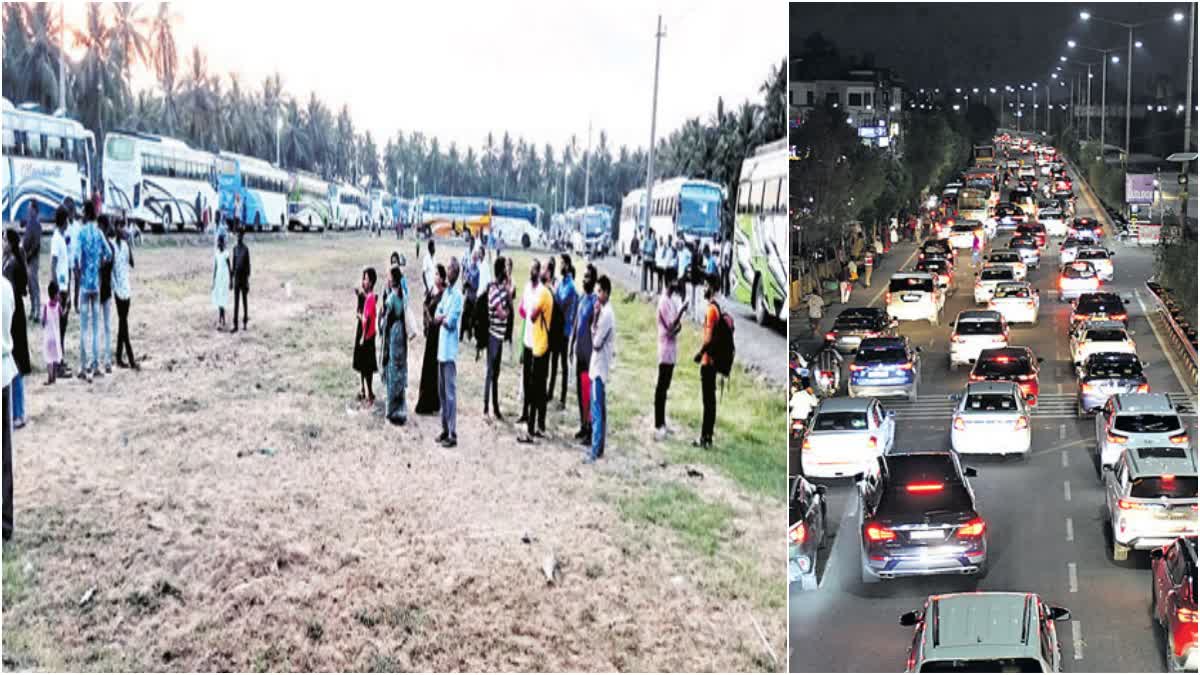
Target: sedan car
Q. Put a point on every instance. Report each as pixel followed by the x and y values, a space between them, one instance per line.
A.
pixel 1028 249
pixel 1173 601
pixel 989 277
pixel 886 367
pixel 1075 279
pixel 917 517
pixel 1035 230
pixel 974 331
pixel 1011 258
pixel 1086 228
pixel 1150 495
pixel 963 233
pixel 933 244
pixel 991 418
pixel 846 436
pixel 1095 337
pixel 1100 258
pixel 1069 248
pixel 806 532
pixel 1009 364
pixel 1016 301
pixel 1008 216
pixel 1106 373
pixel 855 324
pixel 985 632
pixel 1132 420
pixel 1054 220
pixel 1099 307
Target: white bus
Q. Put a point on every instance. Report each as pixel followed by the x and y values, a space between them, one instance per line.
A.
pixel 46 158
pixel 680 207
pixel 350 206
pixel 380 213
pixel 252 191
pixel 157 181
pixel 308 202
pixel 760 269
pixel 591 229
pixel 633 215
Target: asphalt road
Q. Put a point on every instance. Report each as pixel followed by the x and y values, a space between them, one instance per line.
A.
pixel 1044 513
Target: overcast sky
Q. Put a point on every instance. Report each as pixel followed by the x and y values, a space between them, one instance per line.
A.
pixel 459 69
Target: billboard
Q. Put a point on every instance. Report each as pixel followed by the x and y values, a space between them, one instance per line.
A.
pixel 1139 188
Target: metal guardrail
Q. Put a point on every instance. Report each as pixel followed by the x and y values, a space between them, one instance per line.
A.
pixel 1179 339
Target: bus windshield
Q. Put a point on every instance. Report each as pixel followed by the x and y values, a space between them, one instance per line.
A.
pixel 595 224
pixel 226 167
pixel 699 210
pixel 969 198
pixel 119 149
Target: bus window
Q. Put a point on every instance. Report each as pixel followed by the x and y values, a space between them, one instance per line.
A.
pixel 119 149
pixel 743 196
pixel 770 195
pixel 54 148
pixel 37 146
pixel 10 142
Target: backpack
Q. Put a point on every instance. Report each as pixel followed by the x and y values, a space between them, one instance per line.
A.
pixel 721 349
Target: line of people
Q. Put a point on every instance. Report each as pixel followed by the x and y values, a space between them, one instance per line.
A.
pixel 667 260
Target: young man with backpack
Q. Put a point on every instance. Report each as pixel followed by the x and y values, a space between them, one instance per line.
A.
pixel 715 357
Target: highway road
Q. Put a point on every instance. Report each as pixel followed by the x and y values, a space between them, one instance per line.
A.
pixel 1044 513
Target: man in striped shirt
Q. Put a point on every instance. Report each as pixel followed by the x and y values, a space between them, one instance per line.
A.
pixel 499 299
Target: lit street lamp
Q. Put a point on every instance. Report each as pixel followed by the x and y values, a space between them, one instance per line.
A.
pixel 1103 83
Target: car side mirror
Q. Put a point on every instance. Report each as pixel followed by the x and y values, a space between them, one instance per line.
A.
pixel 954 397
pixel 970 472
pixel 1060 614
pixel 891 414
pixel 1156 554
pixel 858 477
pixel 910 618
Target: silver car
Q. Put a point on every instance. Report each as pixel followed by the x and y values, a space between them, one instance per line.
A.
pixel 1134 420
pixel 1150 495
pixel 846 436
pixel 991 418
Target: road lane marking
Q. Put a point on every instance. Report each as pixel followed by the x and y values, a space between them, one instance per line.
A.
pixel 1065 460
pixel 1166 350
pixel 1067 490
pixel 1077 640
pixel 1058 385
pixel 1062 432
pixel 1070 530
pixel 883 289
pixel 1072 578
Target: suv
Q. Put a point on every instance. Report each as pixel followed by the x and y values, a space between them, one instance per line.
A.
pixel 806 532
pixel 1135 420
pixel 932 244
pixel 913 296
pixel 1086 228
pixel 855 324
pixel 989 632
pixel 991 418
pixel 1036 230
pixel 1103 306
pixel 1011 258
pixel 917 517
pixel 1150 495
pixel 846 437
pixel 1100 258
pixel 974 331
pixel 1096 337
pixel 1108 373
pixel 1027 247
pixel 886 367
pixel 1173 601
pixel 1009 364
pixel 1075 279
pixel 989 277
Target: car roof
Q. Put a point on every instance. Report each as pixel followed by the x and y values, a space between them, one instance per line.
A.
pixel 979 315
pixel 1156 461
pixel 1102 325
pixel 844 404
pixel 991 387
pixel 1143 403
pixel 971 625
pixel 881 343
pixel 862 311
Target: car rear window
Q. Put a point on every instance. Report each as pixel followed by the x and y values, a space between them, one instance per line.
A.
pixel 1105 335
pixel 854 323
pixel 1004 257
pixel 1109 367
pixel 1078 272
pixel 997 274
pixel 900 285
pixel 991 402
pixel 1004 366
pixel 881 355
pixel 963 228
pixel 1146 423
pixel 1014 665
pixel 1093 305
pixel 976 327
pixel 1003 291
pixel 1093 255
pixel 897 501
pixel 1154 487
pixel 840 421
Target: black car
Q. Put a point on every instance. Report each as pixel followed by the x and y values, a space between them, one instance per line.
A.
pixel 806 531
pixel 937 266
pixel 1108 373
pixel 1009 364
pixel 855 324
pixel 917 517
pixel 1099 307
pixel 933 245
pixel 1008 216
pixel 1035 230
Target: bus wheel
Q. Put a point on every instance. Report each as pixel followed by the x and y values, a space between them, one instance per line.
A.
pixel 168 218
pixel 525 241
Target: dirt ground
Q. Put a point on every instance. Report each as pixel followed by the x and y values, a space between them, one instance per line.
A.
pixel 229 508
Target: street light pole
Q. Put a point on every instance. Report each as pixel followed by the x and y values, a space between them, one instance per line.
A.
pixel 1187 110
pixel 1129 90
pixel 587 167
pixel 659 34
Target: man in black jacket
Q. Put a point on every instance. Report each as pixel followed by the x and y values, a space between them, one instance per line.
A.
pixel 241 280
pixel 31 244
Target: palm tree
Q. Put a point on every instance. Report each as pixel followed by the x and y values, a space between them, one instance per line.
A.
pixel 101 89
pixel 128 35
pixel 165 57
pixel 43 46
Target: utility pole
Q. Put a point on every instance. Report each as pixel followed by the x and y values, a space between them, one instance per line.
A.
pixel 62 68
pixel 587 168
pixel 1187 110
pixel 658 36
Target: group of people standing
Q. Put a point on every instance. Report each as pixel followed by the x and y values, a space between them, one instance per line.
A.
pixel 667 260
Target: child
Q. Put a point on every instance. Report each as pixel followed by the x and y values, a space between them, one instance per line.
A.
pixel 222 281
pixel 51 349
pixel 364 336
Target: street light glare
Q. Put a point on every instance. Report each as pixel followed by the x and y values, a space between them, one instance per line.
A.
pixel 1063 59
pixel 1177 17
pixel 1085 16
pixel 1071 44
pixel 1116 59
pixel 1138 44
pixel 1054 76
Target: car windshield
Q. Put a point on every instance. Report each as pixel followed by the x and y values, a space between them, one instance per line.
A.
pixel 990 402
pixel 1155 487
pixel 1105 335
pixel 1004 365
pixel 854 323
pixel 1001 274
pixel 1147 423
pixel 1109 367
pixel 840 421
pixel 881 355
pixel 1014 665
pixel 902 284
pixel 977 327
pixel 1092 255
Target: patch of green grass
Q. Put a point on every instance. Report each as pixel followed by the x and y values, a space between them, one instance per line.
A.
pixel 701 524
pixel 739 579
pixel 17 582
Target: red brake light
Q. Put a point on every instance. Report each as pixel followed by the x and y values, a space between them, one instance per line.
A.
pixel 1185 615
pixel 974 528
pixel 807 445
pixel 924 487
pixel 1143 388
pixel 1115 438
pixel 1022 423
pixel 857 367
pixel 799 533
pixel 959 424
pixel 879 533
pixel 1118 317
pixel 955 337
pixel 1088 388
pixel 872 443
pixel 1179 439
pixel 905 366
pixel 1127 505
pixel 1079 317
pixel 830 336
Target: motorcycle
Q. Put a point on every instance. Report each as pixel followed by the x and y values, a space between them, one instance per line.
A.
pixel 828 382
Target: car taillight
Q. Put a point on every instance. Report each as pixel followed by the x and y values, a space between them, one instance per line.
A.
pixel 855 367
pixel 975 378
pixel 1118 317
pixel 955 337
pixel 928 486
pixel 1179 439
pixel 799 533
pixel 1143 389
pixel 905 366
pixel 1022 423
pixel 974 528
pixel 830 337
pixel 1024 378
pixel 1079 317
pixel 872 443
pixel 1128 505
pixel 807 444
pixel 1117 438
pixel 876 532
pixel 1088 388
pixel 887 298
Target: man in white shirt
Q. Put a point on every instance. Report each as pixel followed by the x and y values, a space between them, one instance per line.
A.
pixel 604 335
pixel 528 301
pixel 428 269
pixel 61 264
pixel 803 402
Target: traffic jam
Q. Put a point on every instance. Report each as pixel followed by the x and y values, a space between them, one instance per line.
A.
pixel 997 431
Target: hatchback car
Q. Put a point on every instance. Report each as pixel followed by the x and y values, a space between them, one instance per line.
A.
pixel 1008 257
pixel 989 277
pixel 1054 220
pixel 1150 495
pixel 1100 258
pixel 963 233
pixel 917 517
pixel 1069 248
pixel 886 367
pixel 1173 601
pixel 806 532
pixel 855 324
pixel 990 418
pixel 1132 420
pixel 846 436
pixel 989 632
pixel 974 331
pixel 1028 249
pixel 913 296
pixel 1106 373
pixel 1099 306
pixel 1094 337
pixel 1009 364
pixel 1035 230
pixel 1017 301
pixel 1075 279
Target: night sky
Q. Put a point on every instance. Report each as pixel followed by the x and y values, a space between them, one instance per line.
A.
pixel 959 44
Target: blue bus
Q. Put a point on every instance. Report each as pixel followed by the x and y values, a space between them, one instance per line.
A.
pixel 252 191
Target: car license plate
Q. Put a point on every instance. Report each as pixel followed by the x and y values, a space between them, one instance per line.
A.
pixel 926 534
pixel 877 373
pixel 910 297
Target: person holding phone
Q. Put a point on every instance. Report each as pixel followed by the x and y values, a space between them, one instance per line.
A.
pixel 670 322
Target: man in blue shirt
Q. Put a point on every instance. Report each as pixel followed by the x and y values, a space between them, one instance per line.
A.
pixel 565 299
pixel 581 349
pixel 683 270
pixel 470 289
pixel 448 319
pixel 92 252
pixel 648 248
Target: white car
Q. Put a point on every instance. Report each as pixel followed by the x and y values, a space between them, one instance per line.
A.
pixel 1010 258
pixel 1100 258
pixel 1075 279
pixel 1150 497
pixel 914 296
pixel 1069 248
pixel 989 277
pixel 991 418
pixel 962 234
pixel 974 331
pixel 1054 221
pixel 846 436
pixel 1137 420
pixel 1094 337
pixel 1016 301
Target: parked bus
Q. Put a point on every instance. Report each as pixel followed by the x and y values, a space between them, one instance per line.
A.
pixel 985 155
pixel 681 207
pixel 46 157
pixel 633 215
pixel 594 225
pixel 308 203
pixel 157 181
pixel 380 209
pixel 252 191
pixel 445 216
pixel 518 223
pixel 760 234
pixel 350 206
pixel 402 211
